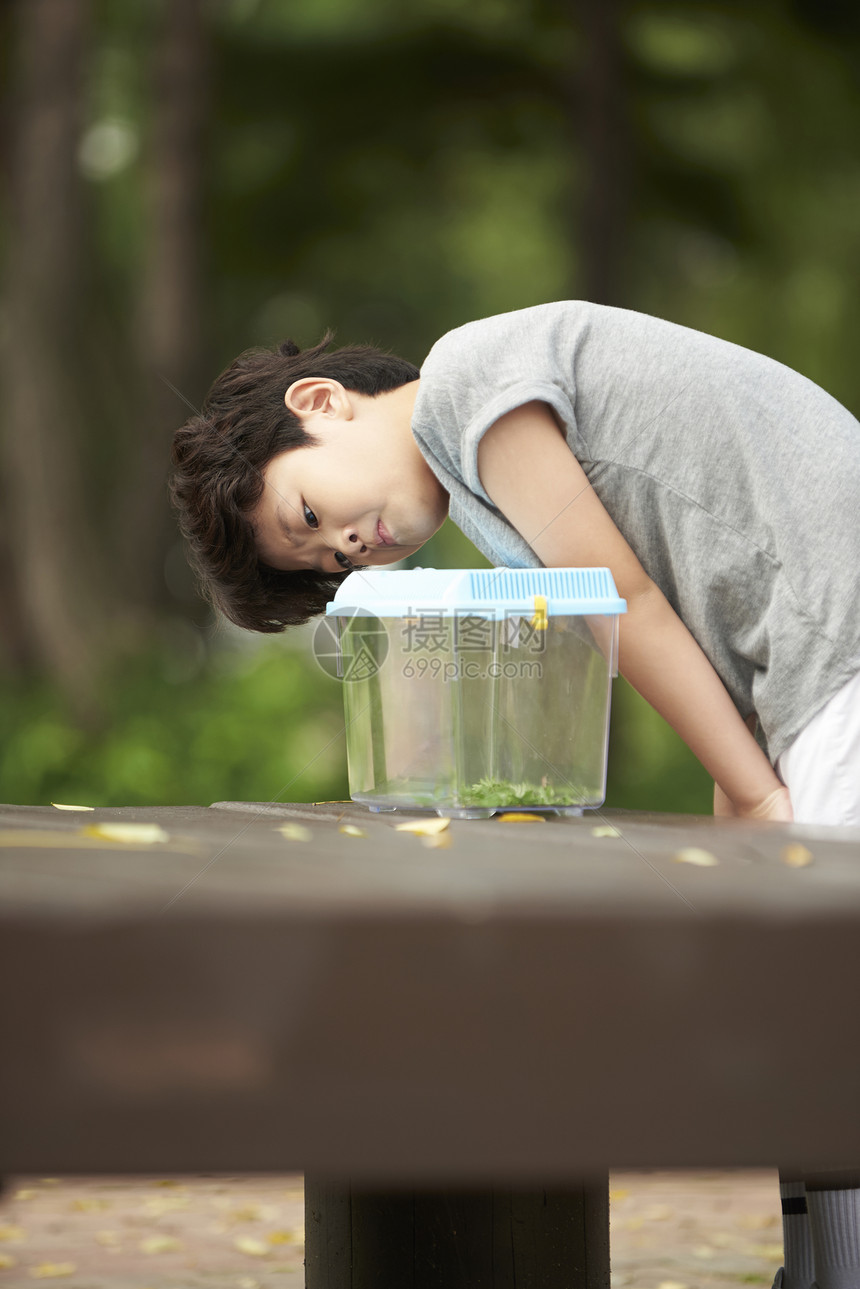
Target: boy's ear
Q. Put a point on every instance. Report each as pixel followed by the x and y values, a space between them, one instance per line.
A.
pixel 314 396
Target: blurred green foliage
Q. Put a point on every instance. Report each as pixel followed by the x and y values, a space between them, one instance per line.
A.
pixel 393 171
pixel 182 729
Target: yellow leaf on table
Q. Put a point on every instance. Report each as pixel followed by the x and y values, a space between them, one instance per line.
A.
pixel 515 817
pixel 252 1247
pixel 52 1270
pixel 619 1193
pixel 133 834
pixel 795 855
pixel 424 827
pixel 671 1284
pixel 352 831
pixel 26 1194
pixel 439 841
pixel 295 832
pixel 693 855
pixel 6 1260
pixel 57 806
pixel 605 830
pixel 171 1181
pixel 12 1233
pixel 89 1205
pixel 160 1244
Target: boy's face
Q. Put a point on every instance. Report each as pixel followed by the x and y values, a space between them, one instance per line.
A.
pixel 363 495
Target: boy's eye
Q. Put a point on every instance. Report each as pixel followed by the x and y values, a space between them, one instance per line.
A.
pixel 341 559
pixel 310 518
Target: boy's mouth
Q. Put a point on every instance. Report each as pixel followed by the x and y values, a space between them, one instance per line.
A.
pixel 383 534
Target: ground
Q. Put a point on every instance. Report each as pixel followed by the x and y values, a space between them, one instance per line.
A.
pixel 668 1231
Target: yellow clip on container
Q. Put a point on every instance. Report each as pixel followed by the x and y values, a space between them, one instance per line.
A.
pixel 468 691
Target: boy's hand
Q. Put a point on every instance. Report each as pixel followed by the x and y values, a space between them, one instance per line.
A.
pixel 776 807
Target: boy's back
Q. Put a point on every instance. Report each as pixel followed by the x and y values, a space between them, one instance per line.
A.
pixel 735 480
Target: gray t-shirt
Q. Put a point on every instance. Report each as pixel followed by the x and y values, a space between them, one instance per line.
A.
pixel 735 480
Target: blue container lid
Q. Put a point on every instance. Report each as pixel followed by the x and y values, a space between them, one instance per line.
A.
pixel 485 592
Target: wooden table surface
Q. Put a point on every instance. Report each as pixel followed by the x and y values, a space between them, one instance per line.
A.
pixel 533 1002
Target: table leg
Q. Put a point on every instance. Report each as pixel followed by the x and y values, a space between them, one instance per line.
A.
pixel 500 1239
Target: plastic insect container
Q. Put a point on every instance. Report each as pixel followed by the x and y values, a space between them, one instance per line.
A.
pixel 468 691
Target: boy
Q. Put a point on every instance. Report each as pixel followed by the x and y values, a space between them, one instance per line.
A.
pixel 721 489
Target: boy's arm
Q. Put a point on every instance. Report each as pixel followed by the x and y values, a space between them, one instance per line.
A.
pixel 530 474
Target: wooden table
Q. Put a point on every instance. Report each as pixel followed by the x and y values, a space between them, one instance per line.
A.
pixel 458 1039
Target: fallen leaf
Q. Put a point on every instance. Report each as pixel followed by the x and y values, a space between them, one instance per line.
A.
pixel 84 839
pixel 6 1261
pixel 12 1233
pixel 57 806
pixel 615 1196
pixel 108 1239
pixel 250 1213
pixel 253 1248
pixel 295 832
pixel 165 1204
pixel 756 1221
pixel 295 1236
pixel 724 1239
pixel 658 1213
pixel 52 1270
pixel 160 1244
pixel 424 827
pixel 671 1284
pixel 171 1181
pixel 768 1251
pixel 26 1194
pixel 441 841
pixel 795 855
pixel 605 830
pixel 352 831
pixel 514 817
pixel 133 834
pixel 89 1205
pixel 693 855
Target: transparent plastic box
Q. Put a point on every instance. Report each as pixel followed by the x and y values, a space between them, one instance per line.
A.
pixel 468 691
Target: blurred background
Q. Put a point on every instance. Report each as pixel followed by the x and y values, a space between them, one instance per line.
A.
pixel 183 180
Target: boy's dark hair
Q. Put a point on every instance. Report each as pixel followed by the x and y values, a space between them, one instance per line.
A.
pixel 219 458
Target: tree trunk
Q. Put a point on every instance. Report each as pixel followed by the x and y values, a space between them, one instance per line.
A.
pixel 169 323
pixel 601 126
pixel 54 576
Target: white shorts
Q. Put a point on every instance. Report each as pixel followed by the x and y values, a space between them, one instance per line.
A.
pixel 821 768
